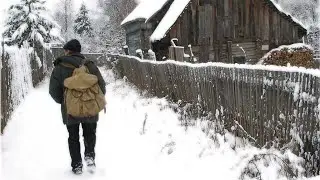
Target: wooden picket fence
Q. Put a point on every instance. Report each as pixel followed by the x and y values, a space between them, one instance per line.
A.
pixel 271 107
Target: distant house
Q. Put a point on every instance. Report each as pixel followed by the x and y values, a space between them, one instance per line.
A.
pixel 218 30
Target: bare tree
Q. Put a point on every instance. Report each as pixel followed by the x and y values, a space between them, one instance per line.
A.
pixel 65 17
pixel 116 10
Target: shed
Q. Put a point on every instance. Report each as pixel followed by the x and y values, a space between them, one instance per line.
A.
pixel 231 31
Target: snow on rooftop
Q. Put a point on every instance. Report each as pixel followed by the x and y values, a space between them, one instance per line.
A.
pixel 169 19
pixel 288 14
pixel 145 10
pixel 177 8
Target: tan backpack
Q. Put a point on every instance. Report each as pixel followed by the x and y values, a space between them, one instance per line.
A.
pixel 83 96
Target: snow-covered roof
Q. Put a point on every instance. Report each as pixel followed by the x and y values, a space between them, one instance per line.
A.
pixel 145 10
pixel 169 19
pixel 178 6
pixel 287 13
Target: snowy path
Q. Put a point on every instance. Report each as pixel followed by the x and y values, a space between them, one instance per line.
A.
pixel 35 143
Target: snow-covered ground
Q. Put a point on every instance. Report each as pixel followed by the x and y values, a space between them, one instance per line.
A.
pixel 138 138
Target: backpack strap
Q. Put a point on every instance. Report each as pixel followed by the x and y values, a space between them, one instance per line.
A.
pixel 83 63
pixel 68 65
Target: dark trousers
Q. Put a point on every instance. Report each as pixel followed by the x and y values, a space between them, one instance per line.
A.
pixel 89 136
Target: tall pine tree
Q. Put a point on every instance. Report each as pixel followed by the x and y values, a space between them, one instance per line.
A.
pixel 82 23
pixel 28 22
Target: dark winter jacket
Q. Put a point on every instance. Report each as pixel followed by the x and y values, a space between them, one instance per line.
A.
pixel 60 73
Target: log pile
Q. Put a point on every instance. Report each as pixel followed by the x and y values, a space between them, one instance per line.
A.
pixel 294 55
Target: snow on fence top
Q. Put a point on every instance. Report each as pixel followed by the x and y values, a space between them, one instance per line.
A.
pixel 169 19
pixel 313 72
pixel 145 10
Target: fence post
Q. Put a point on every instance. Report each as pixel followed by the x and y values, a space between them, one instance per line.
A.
pixel 126 50
pixel 176 53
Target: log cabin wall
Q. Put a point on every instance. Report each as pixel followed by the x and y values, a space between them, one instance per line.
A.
pixel 133 36
pixel 217 27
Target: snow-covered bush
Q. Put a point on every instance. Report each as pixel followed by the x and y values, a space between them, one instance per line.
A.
pixel 29 22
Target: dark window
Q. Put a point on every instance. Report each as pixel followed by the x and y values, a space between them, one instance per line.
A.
pixel 239 59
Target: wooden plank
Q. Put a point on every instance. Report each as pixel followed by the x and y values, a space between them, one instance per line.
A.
pixel 208 23
pixel 179 53
pixel 226 95
pixel 247 18
pixel 287 105
pixel 184 29
pixel 245 98
pixel 268 121
pixel 204 53
pixel 277 111
pixel 259 100
pixel 214 24
pixel 233 95
pixel 229 52
pixel 202 23
pixel 308 113
pixel 236 107
pixel 257 18
pixel 261 20
pixel 251 19
pixel 208 99
pixel 172 55
pixel 255 108
pixel 242 97
pixel 173 32
pixel 194 23
pixel 304 104
pixel 249 103
pixel 178 24
pixel 266 25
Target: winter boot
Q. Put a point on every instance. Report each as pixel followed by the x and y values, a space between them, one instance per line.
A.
pixel 91 165
pixel 77 169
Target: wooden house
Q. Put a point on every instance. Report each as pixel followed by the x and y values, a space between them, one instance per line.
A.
pixel 232 31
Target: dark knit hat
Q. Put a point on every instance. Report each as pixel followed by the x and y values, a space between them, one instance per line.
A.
pixel 73 45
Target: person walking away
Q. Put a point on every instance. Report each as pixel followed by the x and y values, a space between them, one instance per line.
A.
pixel 77 84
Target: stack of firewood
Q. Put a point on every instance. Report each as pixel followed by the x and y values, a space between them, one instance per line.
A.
pixel 290 56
